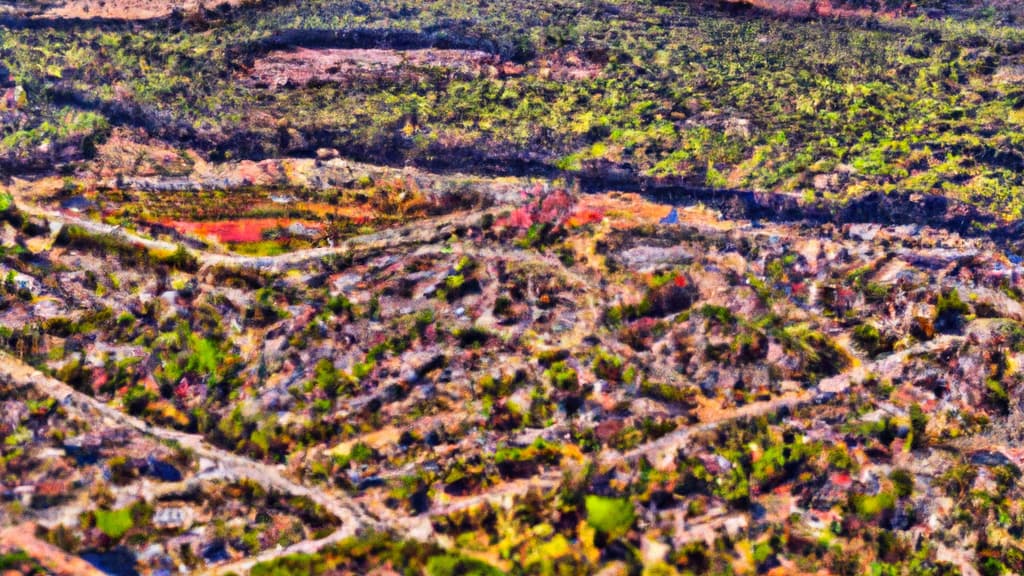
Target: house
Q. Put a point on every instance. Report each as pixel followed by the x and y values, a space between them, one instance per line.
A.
pixel 25 494
pixel 52 488
pixel 50 492
pixel 173 518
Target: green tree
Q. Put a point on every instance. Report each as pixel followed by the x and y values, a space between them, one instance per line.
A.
pixel 918 424
pixel 613 516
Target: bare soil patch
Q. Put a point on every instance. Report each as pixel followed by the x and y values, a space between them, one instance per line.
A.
pixel 302 66
pixel 130 9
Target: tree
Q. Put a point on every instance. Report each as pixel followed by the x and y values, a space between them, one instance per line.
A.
pixel 613 516
pixel 918 424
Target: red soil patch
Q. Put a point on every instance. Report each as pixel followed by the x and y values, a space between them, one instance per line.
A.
pixel 240 230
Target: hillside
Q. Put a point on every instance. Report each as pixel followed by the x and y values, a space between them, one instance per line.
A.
pixel 549 287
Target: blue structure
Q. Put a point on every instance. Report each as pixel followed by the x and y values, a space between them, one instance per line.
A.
pixel 672 218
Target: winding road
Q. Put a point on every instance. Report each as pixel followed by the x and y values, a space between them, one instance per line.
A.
pixel 412 233
pixel 354 517
pixel 351 515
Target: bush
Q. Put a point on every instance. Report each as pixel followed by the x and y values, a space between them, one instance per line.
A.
pixel 472 336
pixel 870 507
pixel 671 393
pixel 821 355
pixel 361 453
pixel 957 481
pixel 180 259
pixel 206 358
pixel 950 311
pixel 330 380
pixel 996 394
pixel 613 516
pixel 339 305
pixel 903 481
pixel 137 399
pixel 452 565
pixel 562 377
pixel 918 424
pixel 607 366
pixel 870 339
pixel 502 306
pixel 951 303
pixel 114 523
pixel 839 458
pixel 720 314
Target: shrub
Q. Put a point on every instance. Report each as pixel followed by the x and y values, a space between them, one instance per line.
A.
pixel 339 305
pixel 958 480
pixel 950 311
pixel 562 376
pixel 839 458
pixel 424 318
pixel 360 453
pixel 137 399
pixel 870 507
pixel 996 394
pixel 674 394
pixel 607 366
pixel 472 336
pixel 735 487
pixel 502 306
pixel 869 338
pixel 329 379
pixel 720 314
pixel 206 358
pixel 361 370
pixel 903 481
pixel 180 259
pixel 951 303
pixel 918 424
pixel 613 516
pixel 821 355
pixel 452 565
pixel 114 523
